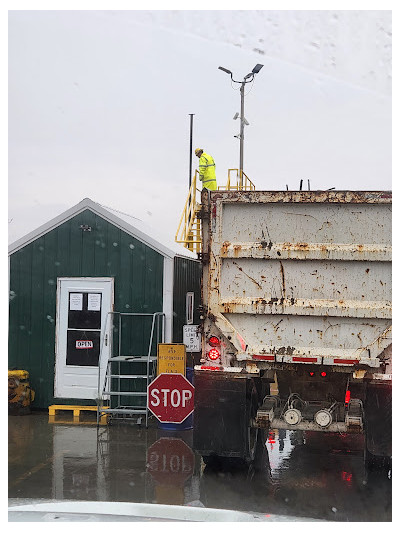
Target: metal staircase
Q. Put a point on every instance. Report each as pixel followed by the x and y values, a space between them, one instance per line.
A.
pixel 122 393
pixel 189 228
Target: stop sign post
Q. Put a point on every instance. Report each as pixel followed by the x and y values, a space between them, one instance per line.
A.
pixel 170 397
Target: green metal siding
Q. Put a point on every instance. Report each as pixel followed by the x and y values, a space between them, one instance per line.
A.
pixel 68 251
pixel 187 278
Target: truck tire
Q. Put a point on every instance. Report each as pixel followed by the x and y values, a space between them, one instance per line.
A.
pixel 232 463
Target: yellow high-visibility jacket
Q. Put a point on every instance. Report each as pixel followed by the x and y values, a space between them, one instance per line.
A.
pixel 207 172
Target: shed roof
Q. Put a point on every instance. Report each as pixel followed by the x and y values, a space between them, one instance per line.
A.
pixel 131 225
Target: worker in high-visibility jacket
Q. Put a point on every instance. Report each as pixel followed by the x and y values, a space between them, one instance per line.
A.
pixel 206 170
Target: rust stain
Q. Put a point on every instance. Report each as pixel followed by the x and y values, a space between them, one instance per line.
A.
pixel 283 350
pixel 276 301
pixel 324 249
pixel 225 246
pixel 211 317
pixel 252 279
pixel 354 197
pixel 283 279
pixel 236 250
pixel 265 244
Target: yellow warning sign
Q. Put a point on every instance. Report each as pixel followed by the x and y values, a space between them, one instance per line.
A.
pixel 171 359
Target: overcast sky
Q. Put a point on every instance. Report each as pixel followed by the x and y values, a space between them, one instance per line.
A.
pixel 99 105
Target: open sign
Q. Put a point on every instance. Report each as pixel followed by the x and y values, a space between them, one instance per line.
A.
pixel 83 345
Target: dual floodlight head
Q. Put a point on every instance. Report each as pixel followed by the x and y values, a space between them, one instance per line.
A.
pixel 248 76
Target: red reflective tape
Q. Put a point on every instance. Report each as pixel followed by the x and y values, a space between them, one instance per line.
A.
pixel 347 397
pixel 204 367
pixel 345 361
pixel 305 359
pixel 264 357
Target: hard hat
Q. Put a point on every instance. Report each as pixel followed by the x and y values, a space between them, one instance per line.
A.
pixel 198 150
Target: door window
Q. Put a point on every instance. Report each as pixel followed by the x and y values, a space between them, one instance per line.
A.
pixel 83 331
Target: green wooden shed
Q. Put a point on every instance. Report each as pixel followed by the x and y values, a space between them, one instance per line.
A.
pixel 71 280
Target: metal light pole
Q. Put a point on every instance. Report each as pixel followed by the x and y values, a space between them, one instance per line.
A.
pixel 241 138
pixel 190 149
pixel 247 79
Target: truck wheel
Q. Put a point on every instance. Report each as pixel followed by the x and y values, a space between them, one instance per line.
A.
pixel 210 460
pixel 252 432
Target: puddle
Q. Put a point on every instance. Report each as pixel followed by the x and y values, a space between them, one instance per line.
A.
pixel 291 475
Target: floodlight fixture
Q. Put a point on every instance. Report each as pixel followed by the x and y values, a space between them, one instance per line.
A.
pixel 225 70
pixel 257 68
pixel 247 79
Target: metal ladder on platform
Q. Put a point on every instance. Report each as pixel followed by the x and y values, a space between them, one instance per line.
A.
pixel 122 393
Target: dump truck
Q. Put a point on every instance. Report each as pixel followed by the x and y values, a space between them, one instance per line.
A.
pixel 296 292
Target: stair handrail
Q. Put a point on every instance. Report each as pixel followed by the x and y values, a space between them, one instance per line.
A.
pixel 155 316
pixel 189 230
pixel 188 217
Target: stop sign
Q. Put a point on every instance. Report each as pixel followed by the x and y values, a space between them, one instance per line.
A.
pixel 170 397
pixel 170 461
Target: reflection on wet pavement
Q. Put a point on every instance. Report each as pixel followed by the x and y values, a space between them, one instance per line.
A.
pixel 294 474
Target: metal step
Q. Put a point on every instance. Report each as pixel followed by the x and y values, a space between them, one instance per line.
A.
pixel 132 359
pixel 125 376
pixel 126 411
pixel 124 393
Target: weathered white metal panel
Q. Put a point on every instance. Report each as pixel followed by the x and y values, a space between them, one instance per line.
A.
pixel 300 274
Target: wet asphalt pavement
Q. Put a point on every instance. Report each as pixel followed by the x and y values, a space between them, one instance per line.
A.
pixel 293 474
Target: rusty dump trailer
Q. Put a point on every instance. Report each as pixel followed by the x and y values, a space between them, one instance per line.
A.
pixel 296 291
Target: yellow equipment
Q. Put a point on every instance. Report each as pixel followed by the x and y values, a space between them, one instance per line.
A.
pixel 20 394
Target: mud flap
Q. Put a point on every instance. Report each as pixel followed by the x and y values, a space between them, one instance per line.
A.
pixel 224 407
pixel 378 424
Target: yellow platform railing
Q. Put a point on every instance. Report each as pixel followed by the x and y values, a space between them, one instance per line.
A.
pixel 235 184
pixel 189 228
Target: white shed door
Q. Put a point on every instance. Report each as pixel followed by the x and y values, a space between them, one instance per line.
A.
pixel 82 334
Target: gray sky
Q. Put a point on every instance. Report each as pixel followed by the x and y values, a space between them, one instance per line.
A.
pixel 99 104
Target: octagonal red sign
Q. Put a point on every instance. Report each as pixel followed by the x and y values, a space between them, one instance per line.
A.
pixel 171 398
pixel 170 461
